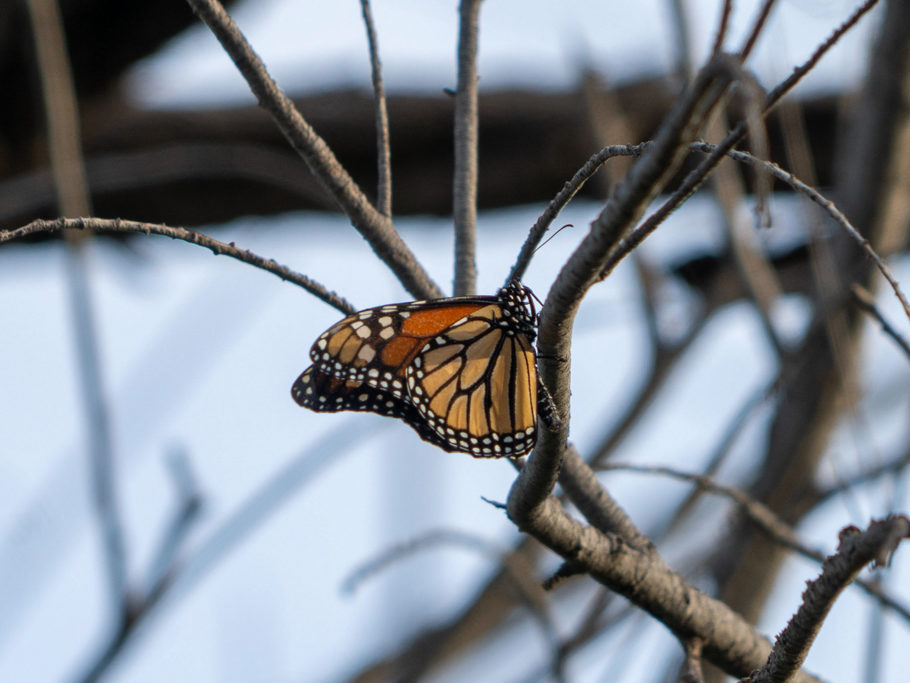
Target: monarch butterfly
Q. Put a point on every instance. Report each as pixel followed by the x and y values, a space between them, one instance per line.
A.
pixel 460 371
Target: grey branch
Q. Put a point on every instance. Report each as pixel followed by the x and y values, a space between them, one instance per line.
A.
pixel 217 247
pixel 376 228
pixel 856 550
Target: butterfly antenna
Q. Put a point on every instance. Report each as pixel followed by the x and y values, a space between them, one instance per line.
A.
pixel 540 246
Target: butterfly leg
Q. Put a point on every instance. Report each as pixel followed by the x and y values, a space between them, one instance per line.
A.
pixel 546 409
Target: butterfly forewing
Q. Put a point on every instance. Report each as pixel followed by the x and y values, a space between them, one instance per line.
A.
pixel 375 346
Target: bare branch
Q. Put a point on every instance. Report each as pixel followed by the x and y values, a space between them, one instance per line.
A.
pixel 799 72
pixel 65 147
pixel 629 200
pixel 464 191
pixel 760 514
pixel 891 467
pixel 722 450
pixel 855 550
pixel 562 198
pixel 426 540
pixel 875 642
pixel 682 36
pixel 216 247
pixel 186 512
pixel 828 206
pixel 519 573
pixel 757 27
pixel 376 228
pixel 61 108
pixel 384 162
pixel 692 668
pixel 697 176
pixel 715 152
pixel 584 490
pixel 729 641
pixel 755 273
pixel 248 516
pixel 765 519
pixel 866 301
pixel 723 26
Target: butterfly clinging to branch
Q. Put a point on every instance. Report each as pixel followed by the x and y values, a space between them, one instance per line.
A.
pixel 461 371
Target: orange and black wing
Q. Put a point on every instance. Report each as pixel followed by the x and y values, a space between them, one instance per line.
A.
pixel 376 346
pixel 324 393
pixel 460 371
pixel 475 384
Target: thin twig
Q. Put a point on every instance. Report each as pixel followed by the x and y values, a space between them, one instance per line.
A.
pixel 722 450
pixel 723 26
pixel 182 575
pixel 682 34
pixel 65 148
pixel 892 467
pixel 855 550
pixel 376 228
pixel 464 190
pixel 759 513
pixel 663 359
pixel 186 512
pixel 799 72
pixel 828 206
pixel 698 175
pixel 757 27
pixel 874 645
pixel 785 176
pixel 866 301
pixel 520 574
pixel 628 201
pixel 216 247
pixel 756 275
pixel 383 154
pixel 224 161
pixel 563 197
pixel 717 152
pixel 368 569
pixel 765 519
pixel 692 672
pixel 61 108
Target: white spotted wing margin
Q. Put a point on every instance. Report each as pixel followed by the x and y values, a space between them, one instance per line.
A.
pixel 323 393
pixel 476 385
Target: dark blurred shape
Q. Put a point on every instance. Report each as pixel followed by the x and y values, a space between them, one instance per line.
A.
pixel 209 166
pixel 714 276
pixel 104 38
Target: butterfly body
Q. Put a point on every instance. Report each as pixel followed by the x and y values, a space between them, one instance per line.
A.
pixel 460 371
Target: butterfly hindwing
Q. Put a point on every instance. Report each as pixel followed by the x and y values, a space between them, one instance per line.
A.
pixel 323 393
pixel 475 384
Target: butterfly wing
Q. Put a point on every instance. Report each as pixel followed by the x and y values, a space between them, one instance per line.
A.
pixel 324 393
pixel 375 346
pixel 460 371
pixel 475 384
